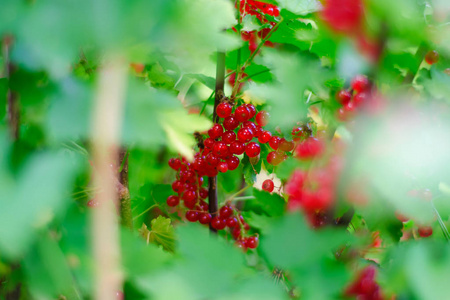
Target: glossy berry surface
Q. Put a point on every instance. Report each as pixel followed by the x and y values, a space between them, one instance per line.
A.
pixel 233 163
pixel 223 110
pixel 275 158
pixel 216 131
pixel 274 142
pixel 218 223
pixel 230 123
pixel 242 113
pixel 245 135
pixel 173 200
pixel 268 185
pixel 432 57
pixel 253 149
pixel 252 242
pixel 425 231
pixel 360 83
pixel 204 218
pixel 237 147
pixel 344 97
pixel 262 118
pixel 192 216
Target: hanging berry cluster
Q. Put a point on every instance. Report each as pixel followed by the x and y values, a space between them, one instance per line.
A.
pixel 354 98
pixel 259 10
pixel 189 189
pixel 365 286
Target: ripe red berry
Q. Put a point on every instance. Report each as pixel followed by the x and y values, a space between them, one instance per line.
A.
pixel 192 216
pixel 173 200
pixel 225 212
pixel 242 113
pixel 216 131
pixel 208 142
pixel 230 123
pixel 285 145
pixel 204 218
pixel 237 147
pixel 359 99
pixel 344 97
pixel 175 163
pixel 265 137
pixel 223 110
pixel 275 158
pixel 425 231
pixel 228 137
pixel 250 125
pixel 274 142
pixel 252 242
pixel 360 83
pixel 231 222
pixel 268 185
pixel 233 163
pixel 189 196
pixel 252 149
pixel 177 186
pixel 212 160
pixel 343 15
pixel 220 149
pixel 203 193
pixel 236 232
pixel 251 108
pixel 262 118
pixel 245 135
pixel 432 57
pixel 218 223
pixel 222 167
pixel 309 148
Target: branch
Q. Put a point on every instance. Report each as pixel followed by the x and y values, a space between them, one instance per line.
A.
pixel 107 119
pixel 212 181
pixel 124 193
pixel 12 99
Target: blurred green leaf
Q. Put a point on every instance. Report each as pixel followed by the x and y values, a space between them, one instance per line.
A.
pixel 161 233
pixel 300 7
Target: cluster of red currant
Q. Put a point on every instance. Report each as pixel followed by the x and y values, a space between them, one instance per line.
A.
pixel 189 188
pixel 365 286
pixel 426 195
pixel 258 9
pixel 354 98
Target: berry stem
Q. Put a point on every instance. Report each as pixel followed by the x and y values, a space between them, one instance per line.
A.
pixel 124 193
pixel 12 99
pixel 250 59
pixel 441 223
pixel 212 181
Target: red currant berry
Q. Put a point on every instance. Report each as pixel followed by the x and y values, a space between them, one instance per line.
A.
pixel 236 232
pixel 192 216
pixel 230 123
pixel 242 113
pixel 222 167
pixel 299 133
pixel 252 110
pixel 274 142
pixel 204 218
pixel 309 148
pixel 359 99
pixel 223 110
pixel 177 186
pixel 425 231
pixel 262 118
pixel 190 203
pixel 189 196
pixel 250 125
pixel 252 242
pixel 432 57
pixel 245 135
pixel 253 149
pixel 268 185
pixel 175 163
pixel 203 193
pixel 360 83
pixel 275 158
pixel 216 131
pixel 228 137
pixel 237 147
pixel 212 160
pixel 208 142
pixel 220 149
pixel 218 223
pixel 265 137
pixel 344 97
pixel 233 163
pixel 231 222
pixel 173 200
pixel 285 145
pixel 225 212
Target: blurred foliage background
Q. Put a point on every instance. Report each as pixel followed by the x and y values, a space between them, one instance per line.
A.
pixel 51 56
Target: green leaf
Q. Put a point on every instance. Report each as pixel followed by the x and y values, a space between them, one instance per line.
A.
pixel 206 80
pixel 271 204
pixel 250 23
pixel 161 233
pixel 30 202
pixel 300 7
pixel 47 272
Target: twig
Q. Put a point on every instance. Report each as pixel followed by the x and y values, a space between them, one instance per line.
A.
pixel 13 101
pixel 107 119
pixel 124 192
